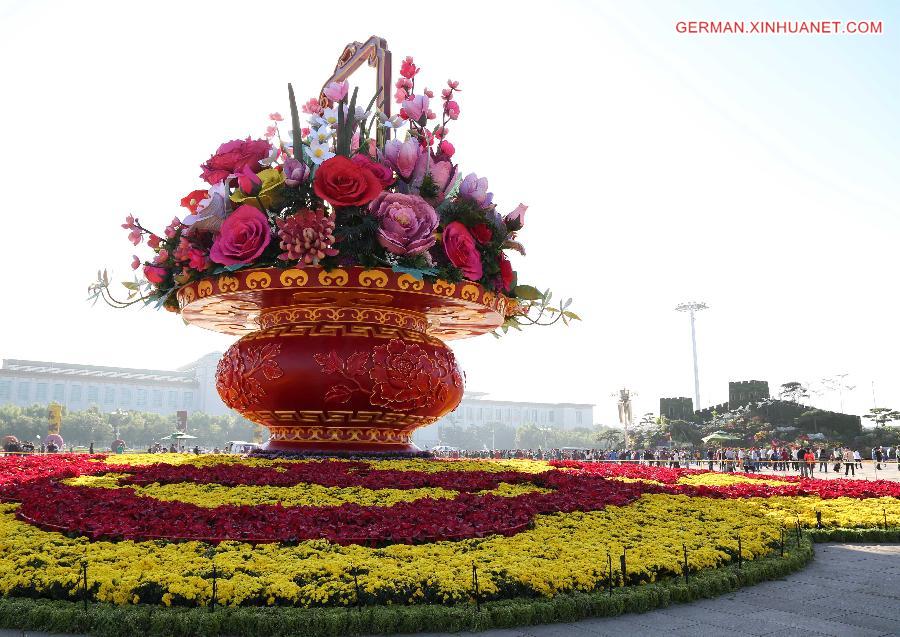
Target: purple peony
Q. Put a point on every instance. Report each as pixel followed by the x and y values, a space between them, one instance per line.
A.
pixel 407 222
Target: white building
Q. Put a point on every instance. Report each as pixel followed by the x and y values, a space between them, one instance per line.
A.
pixel 75 386
pixel 475 409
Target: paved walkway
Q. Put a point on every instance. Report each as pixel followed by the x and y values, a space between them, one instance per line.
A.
pixel 850 590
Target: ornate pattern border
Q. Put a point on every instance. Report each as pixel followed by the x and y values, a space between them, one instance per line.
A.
pixel 231 302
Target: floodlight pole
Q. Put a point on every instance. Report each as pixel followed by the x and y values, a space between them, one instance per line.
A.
pixel 693 307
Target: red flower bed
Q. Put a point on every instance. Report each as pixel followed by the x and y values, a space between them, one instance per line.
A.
pixel 19 471
pixel 627 470
pixel 327 473
pixel 100 513
pixel 121 514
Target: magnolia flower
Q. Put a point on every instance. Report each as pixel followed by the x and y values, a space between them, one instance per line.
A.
pixel 318 152
pixel 516 219
pixel 415 107
pixel 360 114
pixel 476 189
pixel 402 156
pixel 394 122
pixel 336 91
pixel 276 117
pixel 213 208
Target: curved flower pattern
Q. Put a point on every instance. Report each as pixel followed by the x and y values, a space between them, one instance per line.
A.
pixel 532 527
pixel 237 373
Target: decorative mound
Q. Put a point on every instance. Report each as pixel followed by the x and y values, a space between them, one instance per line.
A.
pixel 310 532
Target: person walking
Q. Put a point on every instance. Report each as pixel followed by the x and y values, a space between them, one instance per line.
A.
pixel 878 457
pixel 849 463
pixel 810 459
pixel 823 460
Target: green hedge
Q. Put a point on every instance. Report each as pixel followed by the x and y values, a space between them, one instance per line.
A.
pixel 106 620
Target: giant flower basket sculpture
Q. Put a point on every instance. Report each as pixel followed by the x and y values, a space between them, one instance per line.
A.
pixel 344 257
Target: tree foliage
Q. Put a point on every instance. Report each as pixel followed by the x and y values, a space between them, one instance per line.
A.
pixel 137 429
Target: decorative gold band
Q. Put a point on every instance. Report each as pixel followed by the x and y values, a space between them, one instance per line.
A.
pixel 332 314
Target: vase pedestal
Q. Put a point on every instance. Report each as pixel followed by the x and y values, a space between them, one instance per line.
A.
pixel 343 361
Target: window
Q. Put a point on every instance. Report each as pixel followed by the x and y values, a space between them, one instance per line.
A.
pixel 93 394
pixel 5 390
pixel 75 393
pixel 141 398
pixel 157 398
pixel 24 391
pixel 551 417
pixel 497 414
pixel 40 395
pixel 125 396
pixel 59 392
pixel 578 417
pixel 173 399
pixel 109 395
pixel 187 400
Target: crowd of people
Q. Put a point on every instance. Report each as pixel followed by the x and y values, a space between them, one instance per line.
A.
pixel 804 460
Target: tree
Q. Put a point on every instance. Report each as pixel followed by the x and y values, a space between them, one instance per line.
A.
pixel 610 437
pixel 815 415
pixel 882 415
pixel 793 391
pixel 684 431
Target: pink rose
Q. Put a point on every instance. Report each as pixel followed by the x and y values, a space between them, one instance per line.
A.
pixel 244 235
pixel 382 173
pixel 459 244
pixel 233 156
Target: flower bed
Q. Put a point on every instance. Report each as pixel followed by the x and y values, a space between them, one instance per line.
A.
pixel 307 533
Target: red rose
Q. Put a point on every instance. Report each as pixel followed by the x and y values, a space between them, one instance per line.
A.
pixel 193 199
pixel 459 244
pixel 382 173
pixel 155 274
pixel 482 233
pixel 340 182
pixel 506 272
pixel 233 156
pixel 244 235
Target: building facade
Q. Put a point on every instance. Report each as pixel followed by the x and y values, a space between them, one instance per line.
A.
pixel 78 387
pixel 680 408
pixel 476 409
pixel 745 392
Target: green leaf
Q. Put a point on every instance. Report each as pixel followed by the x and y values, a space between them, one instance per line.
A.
pixel 416 273
pixel 527 292
pixel 295 125
pixel 130 285
pixel 571 315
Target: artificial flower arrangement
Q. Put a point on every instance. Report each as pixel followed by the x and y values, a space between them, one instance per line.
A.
pixel 352 187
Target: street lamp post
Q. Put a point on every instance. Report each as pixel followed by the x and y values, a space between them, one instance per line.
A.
pixel 693 307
